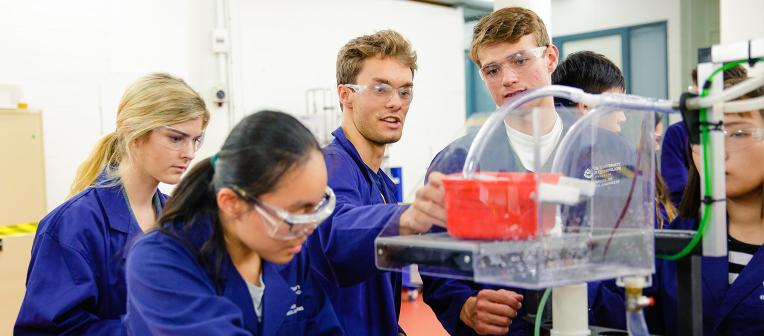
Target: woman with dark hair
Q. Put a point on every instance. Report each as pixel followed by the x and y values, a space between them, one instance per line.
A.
pixel 665 211
pixel 226 255
pixel 733 285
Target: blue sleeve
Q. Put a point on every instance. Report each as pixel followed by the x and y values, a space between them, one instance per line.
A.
pixel 170 294
pixel 446 298
pixel 606 305
pixel 674 165
pixel 61 293
pixel 343 245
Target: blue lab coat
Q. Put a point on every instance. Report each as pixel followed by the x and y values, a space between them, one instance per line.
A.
pixel 736 309
pixel 76 280
pixel 171 293
pixel 674 161
pixel 367 300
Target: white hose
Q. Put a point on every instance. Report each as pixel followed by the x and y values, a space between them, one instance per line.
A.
pixel 478 144
pixel 731 93
pixel 577 95
pixel 744 105
pixel 635 323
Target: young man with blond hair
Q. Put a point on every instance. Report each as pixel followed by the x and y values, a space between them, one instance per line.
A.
pixel 375 86
pixel 514 53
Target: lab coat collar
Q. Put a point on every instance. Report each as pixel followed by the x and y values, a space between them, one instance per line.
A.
pixel 389 186
pixel 344 142
pixel 118 213
pixel 279 297
pixel 236 290
pixel 748 280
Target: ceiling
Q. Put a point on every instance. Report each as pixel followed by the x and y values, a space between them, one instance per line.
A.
pixel 473 9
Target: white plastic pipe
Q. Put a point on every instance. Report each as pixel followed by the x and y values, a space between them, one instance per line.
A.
pixel 569 93
pixel 731 93
pixel 715 238
pixel 744 105
pixel 737 51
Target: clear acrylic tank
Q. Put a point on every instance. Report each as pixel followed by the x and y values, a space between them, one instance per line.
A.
pixel 543 195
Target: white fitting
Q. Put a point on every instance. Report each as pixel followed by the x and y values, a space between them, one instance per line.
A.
pixel 570 311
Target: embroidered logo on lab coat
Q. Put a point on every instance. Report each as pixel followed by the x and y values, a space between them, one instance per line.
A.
pixel 294 309
pixel 605 175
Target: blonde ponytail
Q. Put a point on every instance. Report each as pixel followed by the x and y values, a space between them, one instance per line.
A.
pixel 104 155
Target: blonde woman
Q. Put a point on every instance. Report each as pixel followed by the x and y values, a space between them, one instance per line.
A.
pixel 76 282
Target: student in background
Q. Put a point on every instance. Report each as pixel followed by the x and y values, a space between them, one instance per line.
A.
pixel 665 210
pixel 733 290
pixel 593 73
pixel 729 306
pixel 514 53
pixel 76 282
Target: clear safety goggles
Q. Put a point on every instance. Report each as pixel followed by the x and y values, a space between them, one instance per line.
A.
pixel 517 62
pixel 177 140
pixel 285 225
pixel 384 91
pixel 738 139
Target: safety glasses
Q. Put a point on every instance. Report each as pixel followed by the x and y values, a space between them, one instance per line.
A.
pixel 383 91
pixel 285 225
pixel 177 140
pixel 737 139
pixel 517 62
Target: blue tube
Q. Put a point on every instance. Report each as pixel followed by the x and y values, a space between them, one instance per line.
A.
pixel 635 323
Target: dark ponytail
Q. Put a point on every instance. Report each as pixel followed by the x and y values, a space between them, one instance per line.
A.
pixel 260 149
pixel 192 196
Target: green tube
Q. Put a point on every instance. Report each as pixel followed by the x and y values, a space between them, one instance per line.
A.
pixel 540 312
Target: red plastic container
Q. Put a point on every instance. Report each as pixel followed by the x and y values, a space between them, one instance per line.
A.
pixel 499 208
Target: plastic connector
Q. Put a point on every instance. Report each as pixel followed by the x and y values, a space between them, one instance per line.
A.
pixel 690 117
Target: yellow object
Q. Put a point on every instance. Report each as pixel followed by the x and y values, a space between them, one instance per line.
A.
pixel 18 229
pixel 22 105
pixel 14 261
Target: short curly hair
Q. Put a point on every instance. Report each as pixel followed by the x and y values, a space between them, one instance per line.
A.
pixel 507 25
pixel 385 43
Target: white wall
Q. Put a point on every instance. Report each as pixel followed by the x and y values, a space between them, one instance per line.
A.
pixel 74 59
pixel 287 47
pixel 581 16
pixel 741 20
